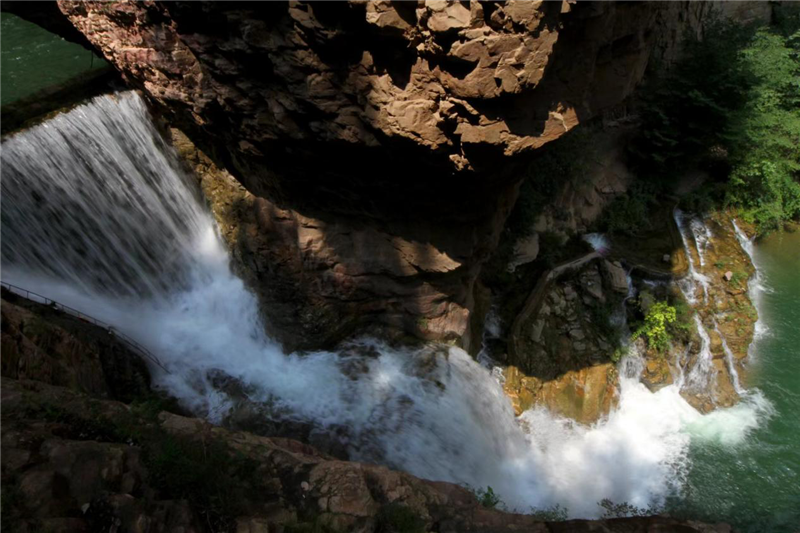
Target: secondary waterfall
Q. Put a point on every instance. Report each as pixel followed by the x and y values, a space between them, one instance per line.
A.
pixel 756 284
pixel 689 285
pixel 97 214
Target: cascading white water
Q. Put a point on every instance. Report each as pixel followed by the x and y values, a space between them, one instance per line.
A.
pixel 730 360
pixel 700 375
pixel 97 214
pixel 756 285
pixel 702 237
pixel 598 242
pixel 84 197
pixel 690 283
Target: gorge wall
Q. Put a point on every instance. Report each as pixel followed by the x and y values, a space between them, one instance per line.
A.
pixel 380 143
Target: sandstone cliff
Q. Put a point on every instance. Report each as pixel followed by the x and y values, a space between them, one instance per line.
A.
pixel 383 140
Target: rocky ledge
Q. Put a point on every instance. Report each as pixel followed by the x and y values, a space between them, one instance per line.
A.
pixel 73 459
pixel 381 142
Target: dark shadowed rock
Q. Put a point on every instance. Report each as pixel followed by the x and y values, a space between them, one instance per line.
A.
pixel 381 141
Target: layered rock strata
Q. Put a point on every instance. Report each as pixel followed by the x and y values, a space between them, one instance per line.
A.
pixel 381 141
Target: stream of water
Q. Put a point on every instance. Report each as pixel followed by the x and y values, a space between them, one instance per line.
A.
pixel 97 214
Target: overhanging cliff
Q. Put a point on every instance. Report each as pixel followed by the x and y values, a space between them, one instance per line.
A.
pixel 381 142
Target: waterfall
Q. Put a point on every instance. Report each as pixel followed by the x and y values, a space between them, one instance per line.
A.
pixel 689 284
pixel 730 361
pixel 756 284
pixel 97 214
pixel 91 197
pixel 700 375
pixel 702 236
pixel 598 242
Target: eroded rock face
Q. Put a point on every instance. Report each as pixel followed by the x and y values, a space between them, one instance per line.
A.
pixel 381 141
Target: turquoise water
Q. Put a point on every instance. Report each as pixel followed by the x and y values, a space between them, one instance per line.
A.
pixel 32 59
pixel 755 486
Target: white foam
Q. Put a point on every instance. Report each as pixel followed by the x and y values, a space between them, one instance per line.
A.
pixel 598 242
pixel 433 411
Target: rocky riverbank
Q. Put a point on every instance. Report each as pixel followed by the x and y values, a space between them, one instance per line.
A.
pixel 73 461
pixel 562 347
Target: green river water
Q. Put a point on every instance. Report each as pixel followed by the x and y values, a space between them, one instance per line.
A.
pixel 755 485
pixel 34 59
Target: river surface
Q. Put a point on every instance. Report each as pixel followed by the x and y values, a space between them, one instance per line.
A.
pixel 34 59
pixel 755 484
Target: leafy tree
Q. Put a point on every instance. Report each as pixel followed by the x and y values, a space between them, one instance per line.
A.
pixel 732 106
pixel 766 151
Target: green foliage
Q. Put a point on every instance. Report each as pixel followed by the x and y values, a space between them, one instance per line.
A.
pixel 488 498
pixel 312 526
pixel 683 326
pixel 206 472
pixel 656 319
pixel 732 105
pixel 551 248
pixel 630 213
pixel 602 322
pixel 686 113
pixel 738 278
pixel 555 513
pixel 396 518
pixel 12 504
pixel 621 510
pixel 766 151
pixel 562 161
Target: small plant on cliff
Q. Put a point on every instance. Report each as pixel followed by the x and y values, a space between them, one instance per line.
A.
pixel 738 278
pixel 487 498
pixel 658 316
pixel 631 212
pixel 555 513
pixel 621 510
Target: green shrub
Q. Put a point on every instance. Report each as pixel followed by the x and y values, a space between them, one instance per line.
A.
pixel 602 322
pixel 207 473
pixel 732 106
pixel 555 513
pixel 683 327
pixel 738 278
pixel 624 509
pixel 656 319
pixel 630 213
pixel 488 498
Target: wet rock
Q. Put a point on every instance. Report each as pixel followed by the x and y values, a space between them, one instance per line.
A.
pixel 584 395
pixel 615 276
